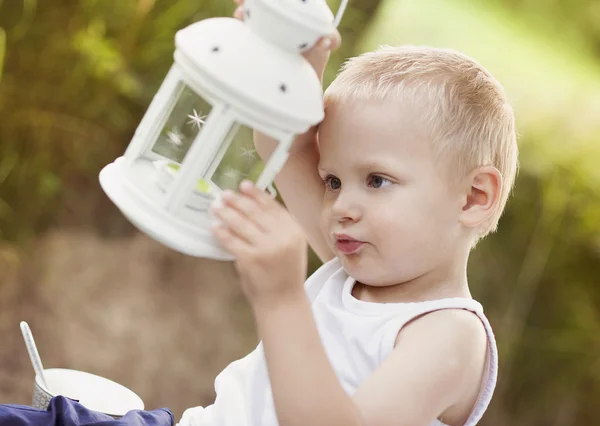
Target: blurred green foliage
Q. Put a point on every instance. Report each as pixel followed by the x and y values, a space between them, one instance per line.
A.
pixel 2 50
pixel 76 82
pixel 77 75
pixel 576 20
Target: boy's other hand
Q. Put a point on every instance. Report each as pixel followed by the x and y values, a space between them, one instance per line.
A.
pixel 318 55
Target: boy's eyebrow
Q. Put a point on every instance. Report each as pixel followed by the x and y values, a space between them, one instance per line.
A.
pixel 375 165
pixel 371 165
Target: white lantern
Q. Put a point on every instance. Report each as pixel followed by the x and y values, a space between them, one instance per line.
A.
pixel 228 79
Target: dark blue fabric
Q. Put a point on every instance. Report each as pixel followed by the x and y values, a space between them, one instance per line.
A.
pixel 67 412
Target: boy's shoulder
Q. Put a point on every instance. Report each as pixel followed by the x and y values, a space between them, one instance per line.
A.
pixel 454 326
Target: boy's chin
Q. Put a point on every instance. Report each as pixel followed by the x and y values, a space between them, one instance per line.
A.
pixel 358 266
pixel 361 268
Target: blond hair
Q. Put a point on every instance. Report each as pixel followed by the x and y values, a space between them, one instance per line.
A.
pixel 465 109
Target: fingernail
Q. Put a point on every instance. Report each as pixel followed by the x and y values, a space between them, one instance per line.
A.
pixel 246 184
pixel 239 12
pixel 325 43
pixel 217 204
pixel 227 194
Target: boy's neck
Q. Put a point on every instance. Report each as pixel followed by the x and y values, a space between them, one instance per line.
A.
pixel 444 283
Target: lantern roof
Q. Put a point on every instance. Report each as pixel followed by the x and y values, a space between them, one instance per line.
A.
pixel 312 13
pixel 224 57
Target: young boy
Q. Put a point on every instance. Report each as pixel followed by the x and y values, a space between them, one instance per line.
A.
pixel 413 164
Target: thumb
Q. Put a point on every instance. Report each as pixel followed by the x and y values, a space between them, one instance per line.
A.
pixel 319 54
pixel 336 40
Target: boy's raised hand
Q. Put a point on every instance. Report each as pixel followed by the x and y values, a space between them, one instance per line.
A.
pixel 318 55
pixel 268 245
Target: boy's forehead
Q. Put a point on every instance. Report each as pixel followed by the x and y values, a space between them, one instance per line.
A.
pixel 373 125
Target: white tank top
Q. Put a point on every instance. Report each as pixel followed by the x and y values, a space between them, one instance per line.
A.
pixel 357 337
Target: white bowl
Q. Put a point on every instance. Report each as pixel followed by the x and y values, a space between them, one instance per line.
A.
pixel 93 392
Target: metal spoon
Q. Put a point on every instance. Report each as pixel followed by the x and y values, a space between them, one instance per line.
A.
pixel 34 356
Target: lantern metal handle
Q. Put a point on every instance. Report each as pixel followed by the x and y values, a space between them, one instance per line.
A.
pixel 340 13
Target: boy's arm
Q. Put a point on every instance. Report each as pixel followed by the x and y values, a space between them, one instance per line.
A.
pixel 437 359
pixel 300 186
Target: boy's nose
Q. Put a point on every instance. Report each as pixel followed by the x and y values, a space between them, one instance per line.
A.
pixel 345 208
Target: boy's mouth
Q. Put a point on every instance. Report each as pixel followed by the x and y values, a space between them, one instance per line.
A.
pixel 348 247
pixel 346 244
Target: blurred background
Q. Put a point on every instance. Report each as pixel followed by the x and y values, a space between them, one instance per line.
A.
pixel 76 77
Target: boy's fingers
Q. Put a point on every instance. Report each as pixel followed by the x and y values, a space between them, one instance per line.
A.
pixel 336 40
pixel 229 240
pixel 329 42
pixel 239 12
pixel 237 223
pixel 238 1
pixel 324 43
pixel 318 55
pixel 245 205
pixel 249 188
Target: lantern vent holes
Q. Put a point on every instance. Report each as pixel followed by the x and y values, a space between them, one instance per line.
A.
pixel 283 88
pixel 303 46
pixel 216 49
pixel 247 13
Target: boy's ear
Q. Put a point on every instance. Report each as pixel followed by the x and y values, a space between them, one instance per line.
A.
pixel 483 192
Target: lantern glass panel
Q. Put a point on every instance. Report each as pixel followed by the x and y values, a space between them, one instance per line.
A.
pixel 182 126
pixel 237 161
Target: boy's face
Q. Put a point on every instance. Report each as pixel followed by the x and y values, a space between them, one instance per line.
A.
pixel 385 188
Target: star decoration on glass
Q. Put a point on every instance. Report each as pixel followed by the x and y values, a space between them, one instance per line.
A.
pixel 196 120
pixel 232 175
pixel 175 137
pixel 248 153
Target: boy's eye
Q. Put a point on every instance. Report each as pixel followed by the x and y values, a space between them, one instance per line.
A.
pixel 377 181
pixel 332 182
